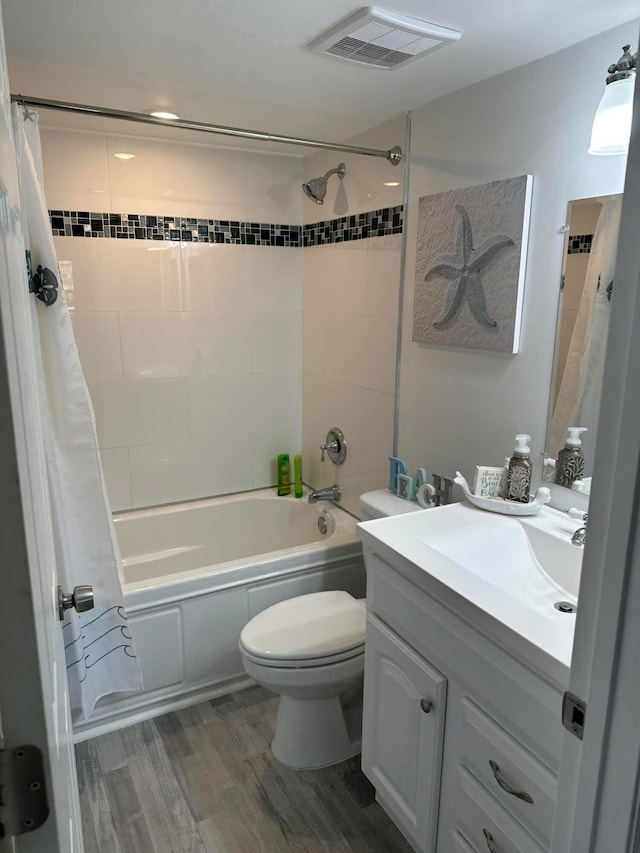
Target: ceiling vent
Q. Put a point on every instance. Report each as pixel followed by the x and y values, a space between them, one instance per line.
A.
pixel 382 39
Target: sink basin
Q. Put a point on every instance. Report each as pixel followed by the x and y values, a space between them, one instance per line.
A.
pixel 557 557
pixel 508 551
pixel 528 558
pixel 514 569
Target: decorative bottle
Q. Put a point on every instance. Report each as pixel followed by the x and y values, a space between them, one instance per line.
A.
pixel 519 477
pixel 570 464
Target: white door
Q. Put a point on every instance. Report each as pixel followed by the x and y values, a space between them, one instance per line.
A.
pixel 34 705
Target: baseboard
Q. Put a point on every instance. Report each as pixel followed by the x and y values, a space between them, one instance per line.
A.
pixel 104 721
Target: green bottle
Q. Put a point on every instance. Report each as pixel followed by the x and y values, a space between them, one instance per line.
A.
pixel 297 475
pixel 284 474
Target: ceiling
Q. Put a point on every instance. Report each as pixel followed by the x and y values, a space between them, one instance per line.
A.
pixel 244 62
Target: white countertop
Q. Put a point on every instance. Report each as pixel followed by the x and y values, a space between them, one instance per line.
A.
pixel 466 556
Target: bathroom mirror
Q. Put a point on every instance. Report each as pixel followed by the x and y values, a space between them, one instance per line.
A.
pixel 586 291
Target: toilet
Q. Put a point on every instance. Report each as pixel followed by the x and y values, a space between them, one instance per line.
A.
pixel 310 650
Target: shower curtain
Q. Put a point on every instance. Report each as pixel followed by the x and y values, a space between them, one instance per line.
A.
pixel 100 654
pixel 578 398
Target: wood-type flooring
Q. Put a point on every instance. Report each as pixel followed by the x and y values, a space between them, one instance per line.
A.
pixel 203 780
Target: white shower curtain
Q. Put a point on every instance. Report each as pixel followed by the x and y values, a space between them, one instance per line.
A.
pixel 578 398
pixel 100 655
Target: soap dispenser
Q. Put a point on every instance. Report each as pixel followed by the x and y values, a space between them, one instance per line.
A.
pixel 519 477
pixel 570 464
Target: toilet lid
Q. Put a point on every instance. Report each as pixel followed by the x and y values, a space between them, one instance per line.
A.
pixel 309 626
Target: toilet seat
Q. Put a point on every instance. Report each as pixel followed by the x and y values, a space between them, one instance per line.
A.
pixel 307 631
pixel 303 663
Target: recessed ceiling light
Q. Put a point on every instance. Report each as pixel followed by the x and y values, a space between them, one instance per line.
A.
pixel 164 114
pixel 124 155
pixel 392 183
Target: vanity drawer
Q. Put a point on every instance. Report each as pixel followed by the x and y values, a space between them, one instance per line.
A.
pixel 479 740
pixel 516 696
pixel 460 844
pixel 481 820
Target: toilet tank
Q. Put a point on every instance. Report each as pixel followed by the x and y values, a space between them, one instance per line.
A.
pixel 382 503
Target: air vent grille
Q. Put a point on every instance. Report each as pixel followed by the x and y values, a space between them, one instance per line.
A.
pixel 382 39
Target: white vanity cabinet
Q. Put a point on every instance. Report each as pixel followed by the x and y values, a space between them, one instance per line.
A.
pixel 461 737
pixel 404 701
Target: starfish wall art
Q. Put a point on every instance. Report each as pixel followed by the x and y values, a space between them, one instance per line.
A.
pixel 470 266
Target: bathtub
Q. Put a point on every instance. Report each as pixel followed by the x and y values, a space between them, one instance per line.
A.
pixel 196 572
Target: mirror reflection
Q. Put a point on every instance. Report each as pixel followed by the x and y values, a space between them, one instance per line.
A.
pixel 583 322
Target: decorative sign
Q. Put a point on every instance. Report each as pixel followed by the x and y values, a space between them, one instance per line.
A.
pixel 490 482
pixel 470 266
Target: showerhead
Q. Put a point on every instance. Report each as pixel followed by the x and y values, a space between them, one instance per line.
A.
pixel 316 188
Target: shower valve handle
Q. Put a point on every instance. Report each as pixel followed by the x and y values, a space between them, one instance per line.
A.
pixel 335 446
pixel 331 446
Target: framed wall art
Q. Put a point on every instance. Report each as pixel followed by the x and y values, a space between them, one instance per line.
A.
pixel 470 266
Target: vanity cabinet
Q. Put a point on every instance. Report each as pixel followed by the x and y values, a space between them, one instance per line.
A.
pixel 461 737
pixel 404 701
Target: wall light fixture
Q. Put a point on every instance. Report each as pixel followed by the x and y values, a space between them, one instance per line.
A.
pixel 612 124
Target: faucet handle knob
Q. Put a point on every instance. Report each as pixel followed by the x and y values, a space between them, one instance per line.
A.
pixel 332 445
pixel 578 514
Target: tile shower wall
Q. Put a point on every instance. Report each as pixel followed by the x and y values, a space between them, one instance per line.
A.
pixel 191 350
pixel 349 320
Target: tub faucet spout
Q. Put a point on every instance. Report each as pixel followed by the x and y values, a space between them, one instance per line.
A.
pixel 333 493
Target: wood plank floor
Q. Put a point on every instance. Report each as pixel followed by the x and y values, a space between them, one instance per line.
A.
pixel 203 780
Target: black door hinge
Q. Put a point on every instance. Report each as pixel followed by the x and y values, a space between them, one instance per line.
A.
pixel 23 793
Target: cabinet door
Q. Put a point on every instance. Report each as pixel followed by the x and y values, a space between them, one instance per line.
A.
pixel 403 726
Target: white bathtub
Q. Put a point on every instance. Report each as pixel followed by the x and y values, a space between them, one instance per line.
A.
pixel 196 572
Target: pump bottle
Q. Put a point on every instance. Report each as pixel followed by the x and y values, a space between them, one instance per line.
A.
pixel 519 477
pixel 570 464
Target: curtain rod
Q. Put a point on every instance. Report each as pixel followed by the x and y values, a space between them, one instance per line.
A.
pixel 394 155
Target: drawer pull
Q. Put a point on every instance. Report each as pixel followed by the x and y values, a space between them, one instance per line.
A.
pixel 489 838
pixel 521 795
pixel 426 705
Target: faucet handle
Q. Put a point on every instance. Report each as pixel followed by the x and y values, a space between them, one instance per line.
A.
pixel 331 446
pixel 578 514
pixel 336 446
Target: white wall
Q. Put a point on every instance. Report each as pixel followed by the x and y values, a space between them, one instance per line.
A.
pixel 191 351
pixel 350 314
pixel 461 408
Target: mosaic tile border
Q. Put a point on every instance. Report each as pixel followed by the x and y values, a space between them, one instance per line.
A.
pixel 373 223
pixel 579 244
pixel 133 226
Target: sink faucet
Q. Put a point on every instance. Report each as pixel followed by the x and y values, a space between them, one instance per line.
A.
pixel 580 535
pixel 333 493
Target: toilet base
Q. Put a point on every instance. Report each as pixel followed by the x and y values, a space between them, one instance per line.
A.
pixel 314 733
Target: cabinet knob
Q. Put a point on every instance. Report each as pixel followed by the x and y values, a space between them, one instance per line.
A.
pixel 489 839
pixel 426 705
pixel 521 795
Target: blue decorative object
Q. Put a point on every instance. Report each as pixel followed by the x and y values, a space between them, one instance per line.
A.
pixel 396 466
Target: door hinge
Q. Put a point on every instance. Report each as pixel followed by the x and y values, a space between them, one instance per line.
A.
pixel 574 713
pixel 23 793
